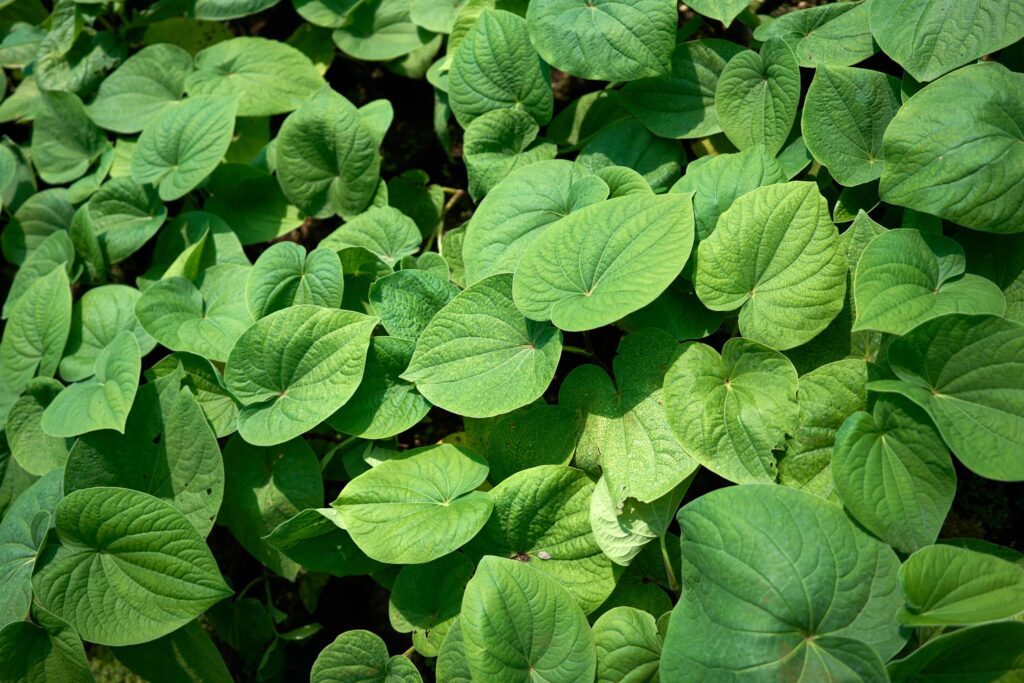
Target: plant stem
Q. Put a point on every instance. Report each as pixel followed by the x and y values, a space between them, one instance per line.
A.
pixel 672 583
pixel 578 351
pixel 409 652
pixel 249 586
pixel 439 230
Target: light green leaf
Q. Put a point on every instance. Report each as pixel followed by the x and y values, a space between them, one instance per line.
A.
pixel 605 261
pixel 64 141
pixel 264 488
pixel 718 181
pixel 284 275
pixel 292 369
pixel 605 40
pixel 996 654
pixel 408 300
pixel 151 80
pixel 948 585
pixel 451 660
pixel 731 411
pixel 103 401
pixel 167 450
pixel 379 30
pixel 187 655
pixel 833 34
pixel 206 319
pixel 963 371
pixel 963 163
pixel 775 255
pixel 623 530
pixel 36 332
pixel 480 357
pixel 96 319
pixel 219 10
pixel 128 554
pixel 384 231
pixel 518 624
pixel 903 280
pixel 757 96
pixel 542 517
pixel 22 535
pixel 539 434
pixel 41 215
pixel 930 38
pixel 182 145
pixel 827 396
pixel 251 202
pixel 625 430
pixel 894 474
pixel 435 15
pixel 677 311
pixel 203 380
pixel 50 651
pixel 361 657
pixel 123 215
pixel 722 10
pixel 623 181
pixel 845 114
pixel 315 538
pixel 499 142
pixel 32 449
pixel 628 646
pixel 426 600
pixel 681 103
pixel 416 508
pixel 780 580
pixel 629 144
pixel 519 209
pixel 267 76
pixel 384 404
pixel 55 251
pixel 496 67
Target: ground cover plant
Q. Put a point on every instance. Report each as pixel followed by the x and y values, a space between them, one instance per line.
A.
pixel 509 340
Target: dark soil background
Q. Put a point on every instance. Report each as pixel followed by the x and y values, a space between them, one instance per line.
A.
pixel 982 508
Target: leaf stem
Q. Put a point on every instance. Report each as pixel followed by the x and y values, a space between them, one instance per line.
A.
pixel 438 233
pixel 672 582
pixel 578 351
pixel 408 653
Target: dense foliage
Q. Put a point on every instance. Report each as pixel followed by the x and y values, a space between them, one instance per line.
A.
pixel 551 340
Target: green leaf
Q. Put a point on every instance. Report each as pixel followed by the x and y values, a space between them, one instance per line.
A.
pixel 41 215
pixel 775 255
pixel 361 657
pixel 130 568
pixel 677 311
pixel 519 209
pixel 36 332
pixel 628 646
pixel 845 114
pixel 251 202
pixel 50 651
pixel 625 430
pixel 327 157
pixel 435 15
pixel 681 103
pixel 267 76
pixel 384 231
pixel 539 434
pixel 292 369
pixel 778 579
pixel 123 216
pixel 724 11
pixel 102 401
pixel 96 319
pixel 480 357
pixel 64 141
pixel 182 145
pixel 996 654
pixel 167 450
pixel 187 655
pixel 718 181
pixel 151 80
pixel 931 38
pixel 32 449
pixel 894 474
pixel 629 144
pixel 962 163
pixel 426 599
pixel 757 96
pixel 451 660
pixel 406 301
pixel 55 251
pixel 316 540
pixel 623 253
pixel 219 10
pixel 23 532
pixel 518 624
pixel 204 381
pixel 499 142
pixel 264 488
pixel 833 34
pixel 623 529
pixel 379 30
pixel 206 319
pixel 962 370
pixel 731 411
pixel 284 275
pixel 542 517
pixel 903 280
pixel 496 67
pixel 416 508
pixel 827 396
pixel 605 40
pixel 947 585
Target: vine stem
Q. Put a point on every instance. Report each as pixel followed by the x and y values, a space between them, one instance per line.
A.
pixel 672 582
pixel 577 350
pixel 438 233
